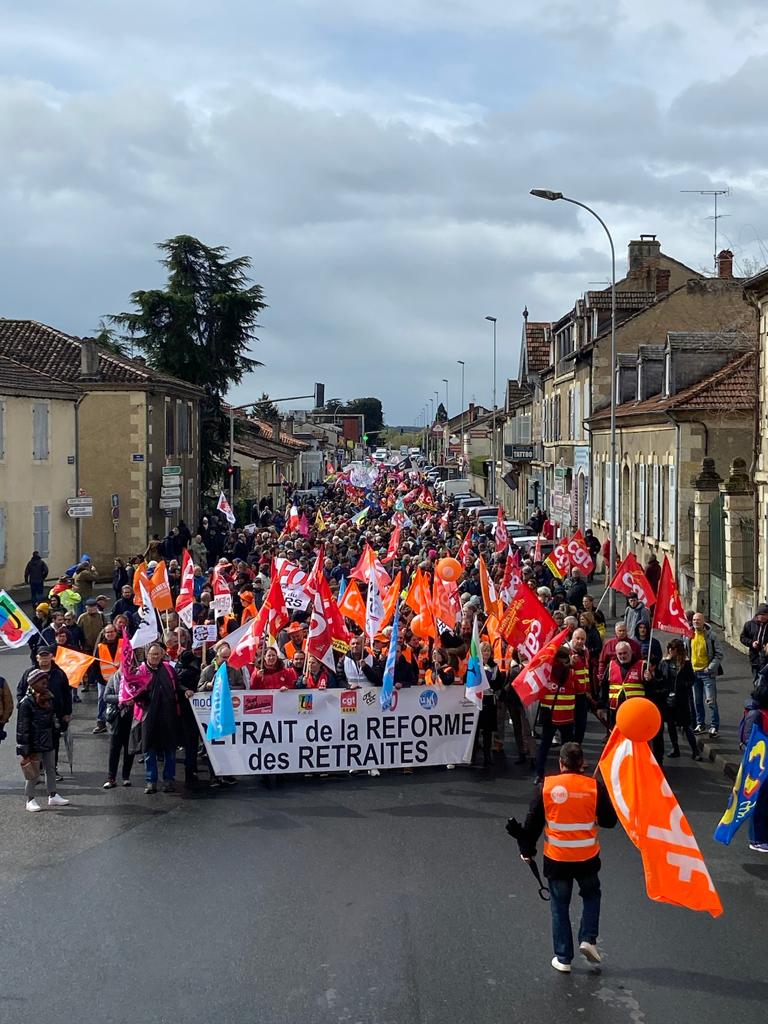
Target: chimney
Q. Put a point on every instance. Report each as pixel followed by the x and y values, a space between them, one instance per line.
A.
pixel 641 251
pixel 662 281
pixel 471 412
pixel 725 264
pixel 276 428
pixel 289 425
pixel 89 360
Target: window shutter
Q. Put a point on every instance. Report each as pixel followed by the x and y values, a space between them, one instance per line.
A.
pixel 2 430
pixel 40 430
pixel 40 529
pixel 656 501
pixel 672 503
pixel 641 512
pixel 577 412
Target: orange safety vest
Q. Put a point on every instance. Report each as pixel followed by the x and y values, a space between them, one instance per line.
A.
pixel 570 817
pixel 107 665
pixel 581 673
pixel 562 703
pixel 630 685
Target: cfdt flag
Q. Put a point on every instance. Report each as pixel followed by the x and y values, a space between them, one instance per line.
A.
pixel 222 720
pixel 751 777
pixel 386 695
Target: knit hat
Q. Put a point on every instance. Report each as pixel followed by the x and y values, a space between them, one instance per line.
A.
pixel 35 676
pixel 43 608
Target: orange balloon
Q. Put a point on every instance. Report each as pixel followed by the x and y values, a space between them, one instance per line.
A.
pixel 419 627
pixel 448 569
pixel 638 719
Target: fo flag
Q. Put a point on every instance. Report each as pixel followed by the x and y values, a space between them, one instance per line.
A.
pixel 630 579
pixel 751 777
pixel 536 678
pixel 466 547
pixel 224 507
pixel 186 598
pixel 669 615
pixel 222 720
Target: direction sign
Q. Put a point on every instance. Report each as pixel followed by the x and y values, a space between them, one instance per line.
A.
pixel 170 492
pixel 115 501
pixel 169 503
pixel 80 511
pixel 171 471
pixel 83 502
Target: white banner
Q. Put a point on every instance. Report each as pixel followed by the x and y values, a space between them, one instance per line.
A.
pixel 341 730
pixel 292 581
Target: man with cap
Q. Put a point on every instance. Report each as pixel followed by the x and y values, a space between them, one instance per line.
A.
pixel 60 690
pixel 754 637
pixel 92 621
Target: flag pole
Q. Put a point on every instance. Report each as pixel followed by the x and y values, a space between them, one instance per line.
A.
pixel 597 606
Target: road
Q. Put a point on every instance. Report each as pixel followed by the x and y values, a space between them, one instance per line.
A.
pixel 398 899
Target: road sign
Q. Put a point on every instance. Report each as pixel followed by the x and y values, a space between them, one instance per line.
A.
pixel 169 503
pixel 115 501
pixel 82 502
pixel 171 470
pixel 137 457
pixel 116 512
pixel 170 492
pixel 80 511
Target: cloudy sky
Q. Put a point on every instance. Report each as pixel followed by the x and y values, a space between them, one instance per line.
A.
pixel 374 158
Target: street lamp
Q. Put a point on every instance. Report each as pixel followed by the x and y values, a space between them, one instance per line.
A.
pixel 544 193
pixel 437 410
pixel 461 364
pixel 493 427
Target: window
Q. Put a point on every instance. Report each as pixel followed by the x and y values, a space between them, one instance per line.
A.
pixel 2 534
pixel 40 430
pixel 2 430
pixel 183 434
pixel 642 503
pixel 170 428
pixel 607 488
pixel 656 502
pixel 40 541
pixel 672 503
pixel 190 426
pixel 577 413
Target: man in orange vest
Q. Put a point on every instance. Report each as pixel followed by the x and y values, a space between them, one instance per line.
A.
pixel 623 679
pixel 568 808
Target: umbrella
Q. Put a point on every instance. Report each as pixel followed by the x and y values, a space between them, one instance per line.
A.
pixel 515 829
pixel 69 748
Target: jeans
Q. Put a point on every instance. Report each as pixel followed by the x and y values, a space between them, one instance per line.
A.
pixel 758 823
pixel 101 708
pixel 169 765
pixel 560 890
pixel 49 767
pixel 548 731
pixel 705 689
pixel 36 593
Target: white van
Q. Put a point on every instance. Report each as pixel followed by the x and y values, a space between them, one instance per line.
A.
pixel 449 487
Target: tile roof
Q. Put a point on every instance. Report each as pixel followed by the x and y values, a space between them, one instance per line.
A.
pixel 18 379
pixel 624 299
pixel 261 430
pixel 536 346
pixel 517 393
pixel 730 389
pixel 47 350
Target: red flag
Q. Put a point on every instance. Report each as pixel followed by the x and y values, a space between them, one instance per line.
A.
pixel 394 544
pixel 558 561
pixel 630 578
pixel 367 564
pixel 579 554
pixel 293 519
pixel 320 639
pixel 222 595
pixel 512 578
pixel 245 649
pixel 527 622
pixel 442 603
pixel 186 597
pixel 536 678
pixel 669 615
pixel 502 540
pixel 537 549
pixel 466 547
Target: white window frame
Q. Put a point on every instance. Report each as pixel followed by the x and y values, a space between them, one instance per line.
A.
pixel 41 530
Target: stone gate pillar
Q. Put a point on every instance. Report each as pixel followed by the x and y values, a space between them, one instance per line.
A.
pixel 706 486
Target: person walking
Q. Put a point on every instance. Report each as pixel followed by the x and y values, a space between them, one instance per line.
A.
pixel 569 808
pixel 754 636
pixel 119 718
pixel 35 575
pixel 557 710
pixel 706 656
pixel 35 724
pixel 672 688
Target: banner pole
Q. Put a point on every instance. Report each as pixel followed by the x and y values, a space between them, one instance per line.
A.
pixel 597 607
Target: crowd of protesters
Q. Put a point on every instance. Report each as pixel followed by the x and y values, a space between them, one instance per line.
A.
pixel 594 671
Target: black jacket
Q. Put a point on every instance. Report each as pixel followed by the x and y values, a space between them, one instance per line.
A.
pixel 755 631
pixel 34 728
pixel 59 686
pixel 36 572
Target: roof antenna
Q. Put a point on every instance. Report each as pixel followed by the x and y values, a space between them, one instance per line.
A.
pixel 714 192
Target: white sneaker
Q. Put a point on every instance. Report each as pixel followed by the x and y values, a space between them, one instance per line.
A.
pixel 33 805
pixel 560 966
pixel 590 952
pixel 57 801
pixel 374 773
pixel 450 767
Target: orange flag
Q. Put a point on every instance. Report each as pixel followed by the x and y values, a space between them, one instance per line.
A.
pixel 73 663
pixel 442 604
pixel 139 575
pixel 352 604
pixel 390 600
pixel 674 868
pixel 488 590
pixel 420 599
pixel 160 589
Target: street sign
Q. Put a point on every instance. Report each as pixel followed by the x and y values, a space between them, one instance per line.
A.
pixel 169 503
pixel 170 492
pixel 80 511
pixel 116 512
pixel 171 470
pixel 115 501
pixel 82 502
pixel 137 457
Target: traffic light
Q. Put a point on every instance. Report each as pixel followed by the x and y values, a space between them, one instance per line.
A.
pixel 319 396
pixel 365 438
pixel 233 474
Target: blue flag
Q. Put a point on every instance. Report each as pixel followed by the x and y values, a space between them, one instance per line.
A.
pixel 751 777
pixel 342 588
pixel 222 720
pixel 388 685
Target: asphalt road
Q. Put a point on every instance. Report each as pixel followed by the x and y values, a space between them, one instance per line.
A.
pixel 398 899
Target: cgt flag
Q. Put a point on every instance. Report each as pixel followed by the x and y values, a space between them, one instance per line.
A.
pixel 526 621
pixel 536 678
pixel 558 561
pixel 674 868
pixel 578 554
pixel 751 777
pixel 630 578
pixel 225 508
pixel 669 615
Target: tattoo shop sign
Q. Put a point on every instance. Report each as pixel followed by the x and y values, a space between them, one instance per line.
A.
pixel 340 730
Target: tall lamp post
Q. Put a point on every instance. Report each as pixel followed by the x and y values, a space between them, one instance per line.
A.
pixel 431 424
pixel 544 193
pixel 493 424
pixel 446 431
pixel 461 364
pixel 437 410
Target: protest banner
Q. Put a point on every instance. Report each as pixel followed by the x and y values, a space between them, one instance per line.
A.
pixel 340 730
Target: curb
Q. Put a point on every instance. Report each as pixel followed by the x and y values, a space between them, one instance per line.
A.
pixel 728 767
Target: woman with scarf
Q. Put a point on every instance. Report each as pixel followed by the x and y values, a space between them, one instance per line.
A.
pixel 157 698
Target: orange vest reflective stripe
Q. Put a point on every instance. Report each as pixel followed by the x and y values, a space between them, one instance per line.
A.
pixel 631 685
pixel 570 817
pixel 562 703
pixel 581 673
pixel 107 665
